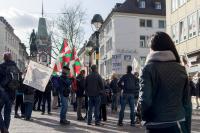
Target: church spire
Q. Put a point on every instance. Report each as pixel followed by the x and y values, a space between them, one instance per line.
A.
pixel 42 9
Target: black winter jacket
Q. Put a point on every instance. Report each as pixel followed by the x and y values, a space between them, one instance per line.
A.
pixel 93 84
pixel 3 80
pixel 114 86
pixel 164 91
pixel 80 85
pixel 129 84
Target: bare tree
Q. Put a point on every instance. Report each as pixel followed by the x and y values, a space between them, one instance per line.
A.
pixel 70 24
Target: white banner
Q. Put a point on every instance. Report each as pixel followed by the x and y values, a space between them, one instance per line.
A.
pixel 37 76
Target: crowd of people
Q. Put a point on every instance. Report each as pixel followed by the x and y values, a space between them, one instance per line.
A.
pixel 159 98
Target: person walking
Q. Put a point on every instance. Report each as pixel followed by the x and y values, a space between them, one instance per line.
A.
pixel 116 92
pixel 80 93
pixel 28 101
pixel 10 79
pixel 128 83
pixel 19 103
pixel 64 89
pixel 93 89
pixel 47 98
pixel 164 94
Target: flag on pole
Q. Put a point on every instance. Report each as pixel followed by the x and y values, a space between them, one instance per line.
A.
pixel 64 58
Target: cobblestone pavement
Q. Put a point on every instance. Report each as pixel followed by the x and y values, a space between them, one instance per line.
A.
pixel 50 124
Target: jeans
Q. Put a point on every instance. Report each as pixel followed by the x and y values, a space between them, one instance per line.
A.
pixel 19 103
pixel 127 98
pixel 5 103
pixel 79 106
pixel 94 101
pixel 46 98
pixel 28 109
pixel 64 107
pixel 115 101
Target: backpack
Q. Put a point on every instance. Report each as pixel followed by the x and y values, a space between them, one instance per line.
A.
pixel 13 77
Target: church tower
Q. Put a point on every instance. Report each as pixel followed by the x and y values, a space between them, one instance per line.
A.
pixel 43 42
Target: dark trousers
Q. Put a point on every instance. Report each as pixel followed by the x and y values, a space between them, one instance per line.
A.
pixel 38 99
pixel 173 129
pixel 94 102
pixel 59 101
pixel 86 106
pixel 5 103
pixel 28 109
pixel 19 103
pixel 103 112
pixel 46 98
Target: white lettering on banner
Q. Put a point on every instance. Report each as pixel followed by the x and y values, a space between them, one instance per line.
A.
pixel 37 76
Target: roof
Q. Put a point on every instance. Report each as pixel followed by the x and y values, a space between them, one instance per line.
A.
pixel 3 20
pixel 132 6
pixel 42 28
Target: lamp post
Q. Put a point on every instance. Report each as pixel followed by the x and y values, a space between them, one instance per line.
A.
pixel 89 48
pixel 97 21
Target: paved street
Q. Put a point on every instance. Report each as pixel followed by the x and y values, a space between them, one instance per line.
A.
pixel 44 123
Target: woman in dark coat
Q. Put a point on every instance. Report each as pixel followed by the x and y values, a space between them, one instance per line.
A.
pixel 164 92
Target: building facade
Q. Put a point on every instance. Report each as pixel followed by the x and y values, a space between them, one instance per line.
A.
pixel 9 42
pixel 125 33
pixel 183 25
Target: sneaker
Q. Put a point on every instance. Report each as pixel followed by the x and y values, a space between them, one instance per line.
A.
pixel 97 124
pixel 42 113
pixel 49 113
pixel 17 116
pixel 120 124
pixel 89 123
pixel 22 116
pixel 132 124
pixel 80 119
pixel 64 122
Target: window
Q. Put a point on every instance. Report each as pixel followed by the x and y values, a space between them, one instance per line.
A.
pixel 109 66
pixel 175 33
pixel 149 23
pixel 183 30
pixel 158 5
pixel 142 4
pixel 181 2
pixel 144 41
pixel 142 22
pixel 192 25
pixel 109 45
pixel 127 57
pixel 174 5
pixel 142 60
pixel 102 51
pixel 199 21
pixel 161 24
pixel 109 27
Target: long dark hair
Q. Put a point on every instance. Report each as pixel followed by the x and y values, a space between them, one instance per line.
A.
pixel 161 41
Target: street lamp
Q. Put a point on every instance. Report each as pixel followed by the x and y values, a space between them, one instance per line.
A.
pixel 97 21
pixel 90 48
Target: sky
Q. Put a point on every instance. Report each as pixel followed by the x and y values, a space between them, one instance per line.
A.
pixel 23 15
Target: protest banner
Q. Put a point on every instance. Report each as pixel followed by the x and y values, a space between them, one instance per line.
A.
pixel 37 76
